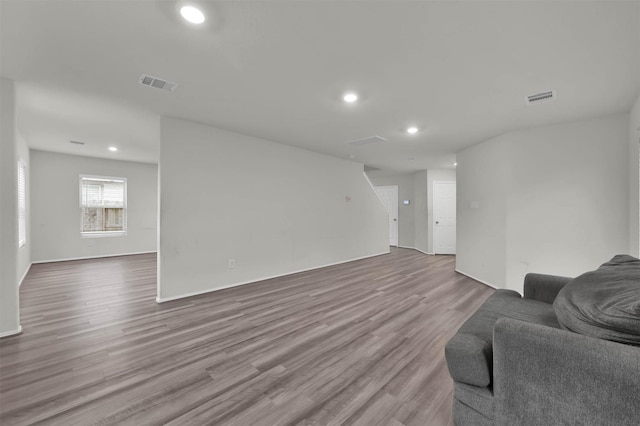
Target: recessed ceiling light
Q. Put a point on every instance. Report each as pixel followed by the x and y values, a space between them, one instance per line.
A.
pixel 412 130
pixel 113 149
pixel 455 164
pixel 350 97
pixel 192 14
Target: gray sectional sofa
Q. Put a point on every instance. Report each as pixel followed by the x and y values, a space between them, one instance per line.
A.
pixel 517 362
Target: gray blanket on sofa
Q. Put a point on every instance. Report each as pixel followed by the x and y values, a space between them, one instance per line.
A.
pixel 604 303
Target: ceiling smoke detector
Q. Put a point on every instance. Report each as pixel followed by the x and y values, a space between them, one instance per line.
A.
pixel 540 98
pixel 157 83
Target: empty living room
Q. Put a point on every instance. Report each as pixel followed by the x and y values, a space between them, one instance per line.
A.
pixel 279 212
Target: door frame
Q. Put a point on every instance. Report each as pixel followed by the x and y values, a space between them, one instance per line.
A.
pixel 433 219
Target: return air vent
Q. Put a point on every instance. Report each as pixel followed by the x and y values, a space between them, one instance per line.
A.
pixel 158 83
pixel 366 141
pixel 540 98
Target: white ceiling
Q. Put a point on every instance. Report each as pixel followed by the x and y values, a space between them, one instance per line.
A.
pixel 277 70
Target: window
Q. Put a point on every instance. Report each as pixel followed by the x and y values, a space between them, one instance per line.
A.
pixel 22 203
pixel 103 205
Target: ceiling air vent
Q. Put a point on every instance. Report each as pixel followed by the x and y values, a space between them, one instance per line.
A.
pixel 366 141
pixel 76 142
pixel 540 98
pixel 158 83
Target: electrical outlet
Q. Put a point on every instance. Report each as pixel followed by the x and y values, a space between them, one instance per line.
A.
pixel 232 263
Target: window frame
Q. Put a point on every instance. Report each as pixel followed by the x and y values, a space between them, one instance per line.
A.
pixel 102 234
pixel 22 202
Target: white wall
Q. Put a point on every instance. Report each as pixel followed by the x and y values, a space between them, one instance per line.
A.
pixel 420 205
pixel 481 211
pixel 551 200
pixel 634 177
pixel 435 175
pixel 273 208
pixel 55 212
pixel 24 252
pixel 9 303
pixel 406 230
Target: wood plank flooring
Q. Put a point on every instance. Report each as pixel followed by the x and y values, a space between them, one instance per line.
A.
pixel 354 344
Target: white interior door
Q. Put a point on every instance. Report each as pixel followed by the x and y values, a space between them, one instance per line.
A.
pixel 444 217
pixel 389 197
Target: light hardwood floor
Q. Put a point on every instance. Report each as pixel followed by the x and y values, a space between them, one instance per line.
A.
pixel 356 344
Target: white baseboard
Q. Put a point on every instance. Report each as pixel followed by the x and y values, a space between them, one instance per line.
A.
pixel 12 332
pixel 24 275
pixel 476 279
pixel 417 249
pixel 92 257
pixel 196 293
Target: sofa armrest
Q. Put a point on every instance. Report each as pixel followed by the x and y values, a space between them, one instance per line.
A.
pixel 469 359
pixel 544 375
pixel 542 287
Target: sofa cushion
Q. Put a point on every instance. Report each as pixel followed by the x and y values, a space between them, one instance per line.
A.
pixel 469 353
pixel 604 303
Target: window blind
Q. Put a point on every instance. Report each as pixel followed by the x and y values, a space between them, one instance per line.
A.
pixel 102 193
pixel 22 203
